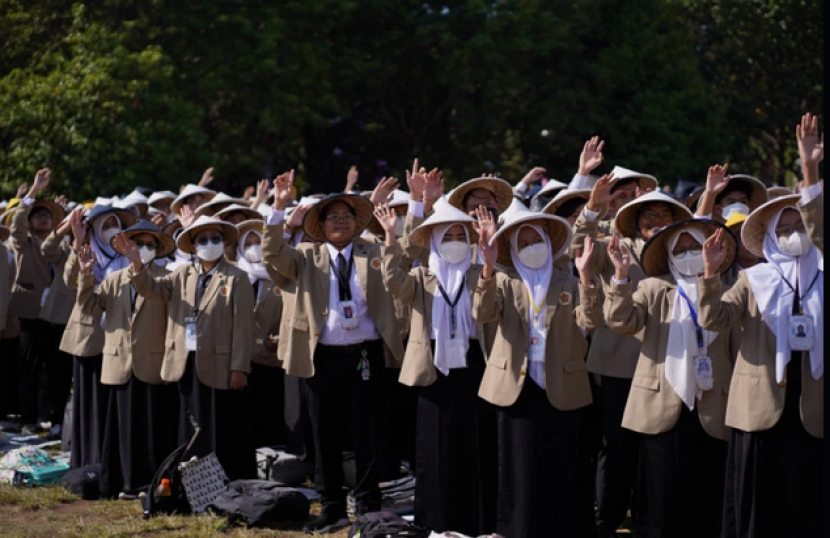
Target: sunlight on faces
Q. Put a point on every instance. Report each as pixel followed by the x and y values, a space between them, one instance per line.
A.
pixel 252 239
pixel 40 220
pixel 575 215
pixel 338 223
pixel 455 233
pixel 527 236
pixel 685 243
pixel 110 223
pixel 235 217
pixel 209 233
pixel 627 192
pixel 653 217
pixel 477 197
pixel 789 222
pixel 145 239
pixel 731 197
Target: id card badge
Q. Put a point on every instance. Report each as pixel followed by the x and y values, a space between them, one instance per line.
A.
pixel 536 351
pixel 44 296
pixel 190 334
pixel 802 333
pixel 456 354
pixel 348 315
pixel 703 369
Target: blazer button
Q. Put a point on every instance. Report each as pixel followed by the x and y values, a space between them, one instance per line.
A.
pixel 522 373
pixel 325 314
pixel 317 333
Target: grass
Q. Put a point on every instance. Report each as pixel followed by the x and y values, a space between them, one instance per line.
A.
pixel 51 512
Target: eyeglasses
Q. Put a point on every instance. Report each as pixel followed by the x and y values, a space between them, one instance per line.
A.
pixel 654 215
pixel 480 200
pixel 348 217
pixel 151 246
pixel 203 241
pixel 786 231
pixel 683 253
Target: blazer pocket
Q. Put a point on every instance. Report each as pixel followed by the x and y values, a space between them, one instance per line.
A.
pixel 299 324
pixel 223 349
pixel 646 382
pixel 111 350
pixel 573 366
pixel 170 344
pixel 497 361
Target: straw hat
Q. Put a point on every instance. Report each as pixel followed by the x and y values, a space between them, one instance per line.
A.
pixel 646 182
pixel 363 214
pixel 755 226
pixel 4 233
pixel 134 199
pixel 399 198
pixel 247 225
pixel 499 187
pixel 160 196
pixel 171 227
pixel 552 188
pixel 759 190
pixel 694 196
pixel 558 230
pixel 566 196
pixel 127 219
pixel 185 239
pixel 188 191
pixel 218 203
pixel 102 200
pixel 444 214
pixel 775 192
pixel 626 220
pixel 656 252
pixel 166 244
pixel 56 210
pixel 249 213
pixel 515 205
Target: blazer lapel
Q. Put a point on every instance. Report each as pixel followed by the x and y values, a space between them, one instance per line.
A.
pixel 361 263
pixel 323 275
pixel 553 298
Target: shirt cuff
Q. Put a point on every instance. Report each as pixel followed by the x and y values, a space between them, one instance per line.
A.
pixel 416 208
pixel 708 217
pixel 27 201
pixel 807 195
pixel 579 182
pixel 626 280
pixel 520 187
pixel 589 215
pixel 276 216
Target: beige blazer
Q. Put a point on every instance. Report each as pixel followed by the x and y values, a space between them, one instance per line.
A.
pixel 6 282
pixel 504 300
pixel 83 336
pixel 653 406
pixel 610 354
pixel 267 315
pixel 133 337
pixel 33 274
pixel 224 324
pixel 756 401
pixel 60 299
pixel 306 298
pixel 418 289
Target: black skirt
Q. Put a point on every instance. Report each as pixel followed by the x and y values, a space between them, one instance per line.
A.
pixel 456 473
pixel 545 481
pixel 10 380
pixel 774 477
pixel 141 431
pixel 299 437
pixel 224 418
pixel 266 385
pixel 89 404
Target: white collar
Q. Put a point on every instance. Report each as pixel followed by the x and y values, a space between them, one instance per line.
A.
pixel 333 252
pixel 211 272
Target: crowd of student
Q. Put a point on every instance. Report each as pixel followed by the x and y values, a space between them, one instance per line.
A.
pixel 546 363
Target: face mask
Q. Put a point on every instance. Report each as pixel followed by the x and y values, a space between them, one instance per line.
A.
pixel 534 256
pixel 146 255
pixel 796 244
pixel 727 211
pixel 108 234
pixel 209 252
pixel 689 265
pixel 399 226
pixel 453 251
pixel 254 253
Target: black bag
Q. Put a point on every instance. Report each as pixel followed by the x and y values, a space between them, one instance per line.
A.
pixel 385 525
pixel 176 502
pixel 259 502
pixel 83 481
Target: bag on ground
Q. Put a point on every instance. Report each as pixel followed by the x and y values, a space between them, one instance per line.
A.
pixel 259 502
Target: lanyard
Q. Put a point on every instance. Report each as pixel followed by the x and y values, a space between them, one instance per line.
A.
pixel 452 303
pixel 536 309
pixel 800 298
pixel 698 329
pixel 343 282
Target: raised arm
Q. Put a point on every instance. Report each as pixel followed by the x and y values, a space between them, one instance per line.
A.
pixel 587 224
pixel 91 302
pixel 720 313
pixel 276 253
pixel 626 311
pixel 716 181
pixel 588 312
pixel 151 288
pixel 488 299
pixel 811 152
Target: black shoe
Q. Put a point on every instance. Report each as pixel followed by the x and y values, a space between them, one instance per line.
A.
pixel 327 522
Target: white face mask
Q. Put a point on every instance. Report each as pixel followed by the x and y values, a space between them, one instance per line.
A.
pixel 728 210
pixel 108 234
pixel 146 255
pixel 399 226
pixel 689 265
pixel 253 253
pixel 453 251
pixel 209 252
pixel 796 244
pixel 534 256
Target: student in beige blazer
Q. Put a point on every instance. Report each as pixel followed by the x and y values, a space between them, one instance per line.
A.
pixel 141 424
pixel 8 329
pixel 776 399
pixel 455 450
pixel 536 377
pixel 208 341
pixel 678 394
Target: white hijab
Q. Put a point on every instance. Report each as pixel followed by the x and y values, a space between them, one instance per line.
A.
pixel 256 270
pixel 106 259
pixel 775 298
pixel 536 282
pixel 451 276
pixel 182 258
pixel 681 346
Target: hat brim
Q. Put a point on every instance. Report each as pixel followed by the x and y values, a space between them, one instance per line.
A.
pixel 656 251
pixel 250 214
pixel 760 195
pixel 248 225
pixel 177 204
pixel 557 229
pixel 776 192
pixel 422 235
pixel 755 225
pixel 626 220
pixel 499 187
pixel 166 243
pixel 363 215
pixel 692 199
pixel 171 227
pixel 585 194
pixel 55 210
pixel 375 227
pixel 211 208
pixel 185 239
pixel 127 219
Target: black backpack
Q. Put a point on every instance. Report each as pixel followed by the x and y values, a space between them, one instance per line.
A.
pixel 176 502
pixel 259 502
pixel 385 525
pixel 83 481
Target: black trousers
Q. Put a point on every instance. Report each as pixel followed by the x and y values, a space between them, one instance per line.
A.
pixel 266 385
pixel 774 478
pixel 341 404
pixel 544 469
pixel 10 380
pixel 89 404
pixel 58 366
pixel 617 461
pixel 680 481
pixel 35 337
pixel 299 435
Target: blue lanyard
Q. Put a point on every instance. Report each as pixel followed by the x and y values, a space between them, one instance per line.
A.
pixel 698 329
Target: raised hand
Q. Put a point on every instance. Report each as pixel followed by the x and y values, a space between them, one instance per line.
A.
pixel 207 177
pixel 582 259
pixel 41 181
pixel 186 216
pixel 261 193
pixel 489 252
pixel 66 226
pixel 716 179
pixel 22 190
pixel 79 226
pixel 296 219
pixel 620 257
pixel 591 156
pixel 86 259
pixel 61 201
pixel 535 174
pixel 351 179
pixel 121 244
pixel 159 220
pixel 387 219
pixel 417 183
pixel 601 193
pixel 713 254
pixel 249 192
pixel 283 190
pixel 484 221
pixel 384 191
pixel 810 146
